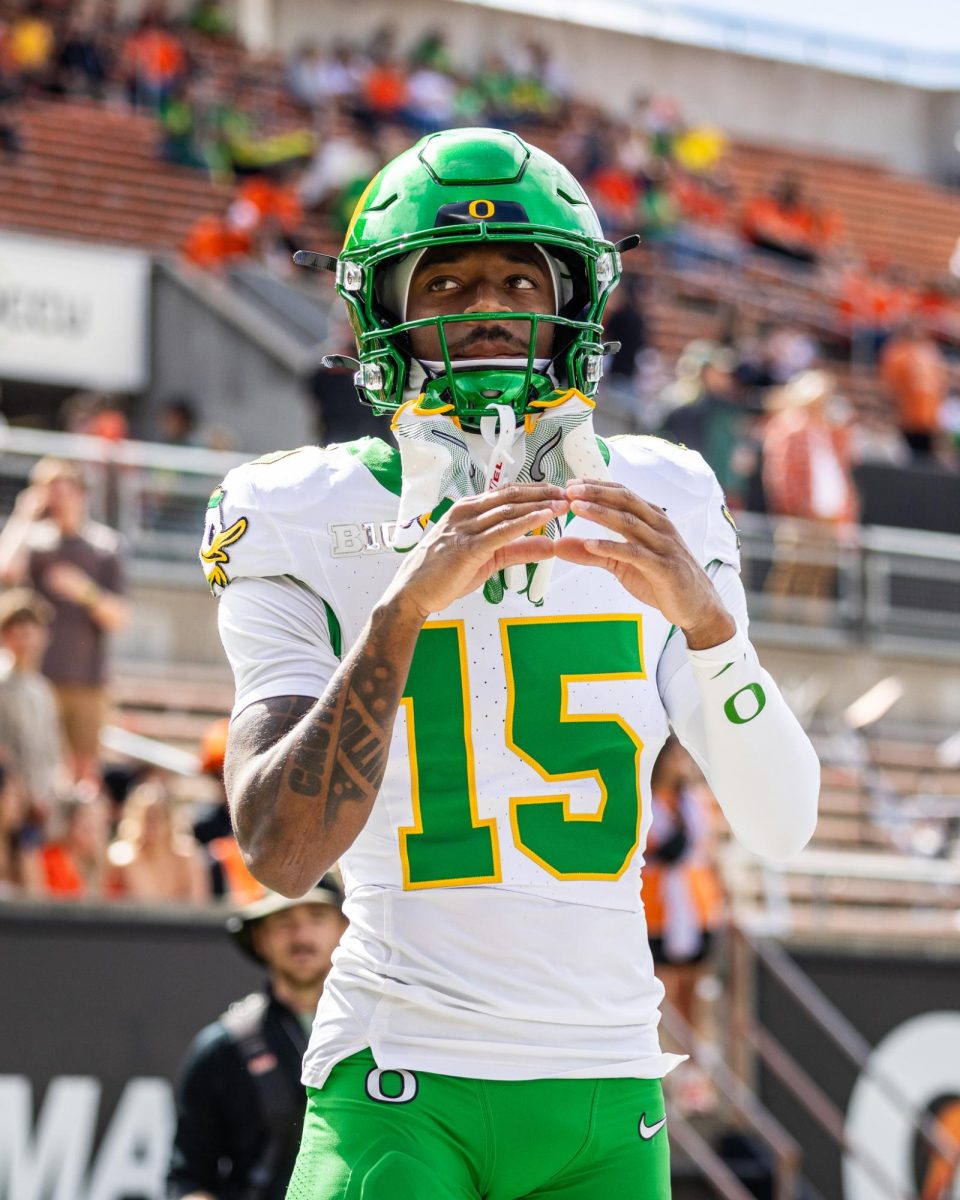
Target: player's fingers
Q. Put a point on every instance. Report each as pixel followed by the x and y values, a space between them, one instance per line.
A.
pixel 515 493
pixel 573 550
pixel 633 555
pixel 512 511
pixel 634 527
pixel 524 550
pixel 616 496
pixel 506 531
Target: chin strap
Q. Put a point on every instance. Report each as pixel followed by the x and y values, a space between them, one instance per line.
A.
pixel 440 462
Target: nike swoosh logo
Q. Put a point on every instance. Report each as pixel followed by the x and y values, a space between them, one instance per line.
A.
pixel 648 1131
pixel 537 473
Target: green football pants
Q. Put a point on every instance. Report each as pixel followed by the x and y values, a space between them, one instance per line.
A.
pixel 414 1135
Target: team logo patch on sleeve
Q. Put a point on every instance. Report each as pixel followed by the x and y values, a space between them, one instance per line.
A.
pixel 216 539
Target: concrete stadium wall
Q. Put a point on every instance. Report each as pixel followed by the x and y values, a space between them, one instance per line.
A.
pixel 751 97
pixel 237 384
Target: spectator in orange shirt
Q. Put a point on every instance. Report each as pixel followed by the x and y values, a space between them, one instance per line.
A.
pixel 75 865
pixel 153 62
pixel 913 369
pixel 384 93
pixel 874 299
pixel 213 242
pixel 786 223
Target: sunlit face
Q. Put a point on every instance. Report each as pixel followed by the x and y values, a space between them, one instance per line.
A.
pixel 89 829
pixel 26 641
pixel 297 943
pixel 505 278
pixel 157 823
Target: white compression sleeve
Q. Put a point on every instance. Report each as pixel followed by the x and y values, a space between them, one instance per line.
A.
pixel 730 715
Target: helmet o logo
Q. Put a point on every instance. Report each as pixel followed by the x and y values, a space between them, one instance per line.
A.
pixel 391 1087
pixel 483 210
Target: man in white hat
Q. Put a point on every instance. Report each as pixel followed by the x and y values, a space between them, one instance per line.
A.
pixel 240 1101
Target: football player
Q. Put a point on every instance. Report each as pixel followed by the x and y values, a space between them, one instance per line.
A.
pixel 456 659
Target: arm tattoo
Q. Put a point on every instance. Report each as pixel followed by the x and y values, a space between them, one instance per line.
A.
pixel 320 763
pixel 346 766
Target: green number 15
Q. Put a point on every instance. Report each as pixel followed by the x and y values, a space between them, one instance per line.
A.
pixel 448 844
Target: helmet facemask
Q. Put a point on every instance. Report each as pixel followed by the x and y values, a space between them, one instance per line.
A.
pixel 475 187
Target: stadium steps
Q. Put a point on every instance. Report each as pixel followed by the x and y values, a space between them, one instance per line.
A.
pixel 174 708
pixel 92 172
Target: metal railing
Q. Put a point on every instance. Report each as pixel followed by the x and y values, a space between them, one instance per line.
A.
pixel 748 954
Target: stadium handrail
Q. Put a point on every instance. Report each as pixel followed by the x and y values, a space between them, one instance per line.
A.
pixel 741 1100
pixel 129 452
pixel 847 1038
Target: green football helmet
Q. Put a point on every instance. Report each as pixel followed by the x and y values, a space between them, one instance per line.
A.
pixel 474 186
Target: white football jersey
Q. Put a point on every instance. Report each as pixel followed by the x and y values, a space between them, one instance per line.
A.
pixel 496 924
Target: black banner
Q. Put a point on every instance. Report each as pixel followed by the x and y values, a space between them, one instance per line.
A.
pixel 97 1008
pixel 907 1007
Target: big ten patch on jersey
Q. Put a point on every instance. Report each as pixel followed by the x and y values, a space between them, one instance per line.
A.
pixel 349 538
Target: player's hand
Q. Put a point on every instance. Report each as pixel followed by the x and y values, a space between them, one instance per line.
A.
pixel 475 538
pixel 651 561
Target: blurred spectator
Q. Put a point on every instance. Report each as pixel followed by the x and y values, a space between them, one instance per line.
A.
pixel 784 222
pixel 31 47
pixel 153 61
pixel 431 99
pixel 50 542
pixel 317 79
pixel 83 62
pixel 213 830
pixel 240 1101
pixel 75 862
pixel 913 368
pixel 625 323
pixel 214 242
pixel 384 93
pixel 31 740
pixel 10 143
pixel 176 422
pixel 682 893
pixel 21 869
pixel 706 416
pixel 154 859
pixel 345 162
pixel 807 475
pixel 873 301
pixel 207 17
pixel 270 209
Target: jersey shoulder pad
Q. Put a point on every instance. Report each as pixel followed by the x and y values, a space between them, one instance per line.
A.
pixel 258 518
pixel 241 534
pixel 683 484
